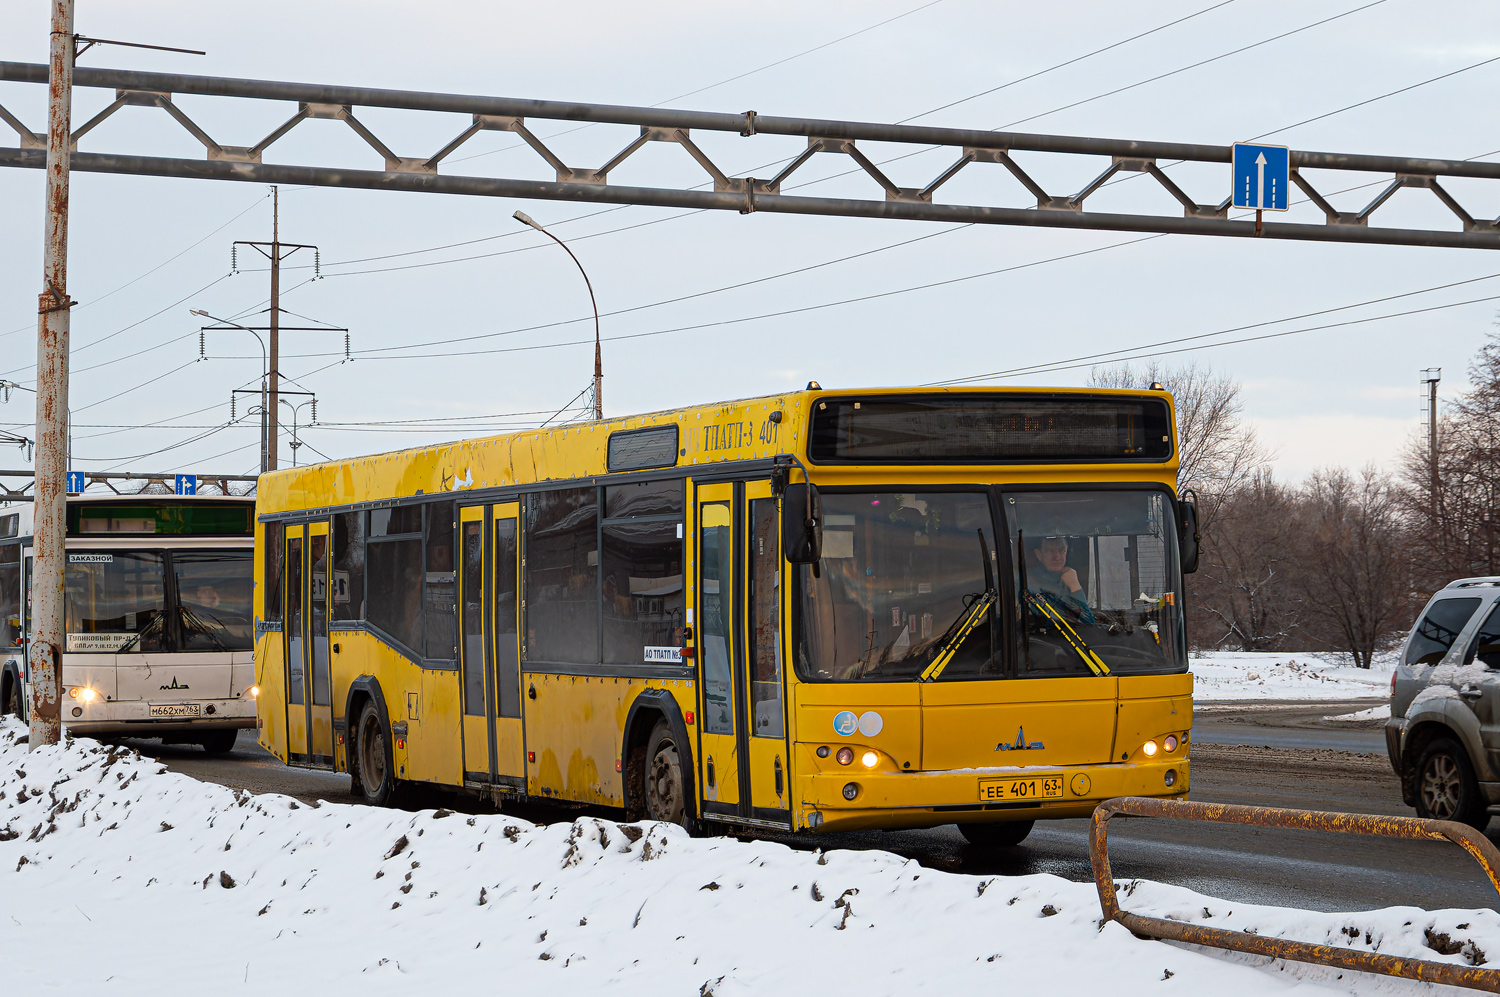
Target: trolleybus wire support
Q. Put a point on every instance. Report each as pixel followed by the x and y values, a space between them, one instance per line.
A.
pixel 1470 840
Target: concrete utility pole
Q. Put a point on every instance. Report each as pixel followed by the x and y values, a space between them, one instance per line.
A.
pixel 1430 377
pixel 526 219
pixel 275 251
pixel 44 665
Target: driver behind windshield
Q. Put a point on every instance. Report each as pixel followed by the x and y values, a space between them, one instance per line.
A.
pixel 1050 578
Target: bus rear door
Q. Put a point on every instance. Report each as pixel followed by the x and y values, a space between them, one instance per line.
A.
pixel 309 683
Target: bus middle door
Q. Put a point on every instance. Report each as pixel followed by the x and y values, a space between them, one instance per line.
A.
pixel 719 749
pixel 490 647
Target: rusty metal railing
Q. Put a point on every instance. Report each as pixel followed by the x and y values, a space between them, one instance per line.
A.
pixel 1414 828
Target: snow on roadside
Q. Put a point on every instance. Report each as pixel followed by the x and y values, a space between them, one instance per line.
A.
pixel 1373 713
pixel 117 874
pixel 1250 675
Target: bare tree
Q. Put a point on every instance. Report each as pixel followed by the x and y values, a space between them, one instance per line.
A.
pixel 1217 451
pixel 1244 594
pixel 1353 576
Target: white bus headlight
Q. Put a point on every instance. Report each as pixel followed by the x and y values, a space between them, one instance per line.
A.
pixel 1149 748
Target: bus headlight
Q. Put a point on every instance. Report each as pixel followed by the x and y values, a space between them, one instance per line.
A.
pixel 84 693
pixel 1170 743
pixel 1149 748
pixel 845 755
pixel 869 759
pixel 255 692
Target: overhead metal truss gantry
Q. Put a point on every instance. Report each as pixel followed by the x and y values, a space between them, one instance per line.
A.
pixel 16 486
pixel 747 194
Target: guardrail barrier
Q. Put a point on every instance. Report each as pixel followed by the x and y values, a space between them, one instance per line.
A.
pixel 1470 840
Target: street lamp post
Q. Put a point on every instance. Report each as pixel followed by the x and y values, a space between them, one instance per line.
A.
pixel 265 422
pixel 297 440
pixel 526 219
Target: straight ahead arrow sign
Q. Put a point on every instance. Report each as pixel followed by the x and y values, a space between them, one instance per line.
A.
pixel 1262 174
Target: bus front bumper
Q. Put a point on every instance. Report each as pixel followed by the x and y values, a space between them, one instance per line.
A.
pixel 135 719
pixel 930 799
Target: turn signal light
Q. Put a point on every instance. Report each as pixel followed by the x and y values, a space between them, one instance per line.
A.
pixel 1170 743
pixel 845 755
pixel 84 693
pixel 1149 748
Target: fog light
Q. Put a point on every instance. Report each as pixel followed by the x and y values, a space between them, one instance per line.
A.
pixel 869 759
pixel 1149 748
pixel 78 711
pixel 851 790
pixel 822 751
pixel 845 755
pixel 1170 743
pixel 1171 777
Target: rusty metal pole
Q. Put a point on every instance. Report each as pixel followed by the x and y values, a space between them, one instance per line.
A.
pixel 273 425
pixel 526 219
pixel 47 639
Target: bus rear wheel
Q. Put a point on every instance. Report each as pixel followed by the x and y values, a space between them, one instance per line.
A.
pixel 218 742
pixel 376 777
pixel 1002 835
pixel 663 776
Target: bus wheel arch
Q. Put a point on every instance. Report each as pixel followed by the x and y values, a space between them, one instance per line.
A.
pixel 12 699
pixel 652 709
pixel 365 695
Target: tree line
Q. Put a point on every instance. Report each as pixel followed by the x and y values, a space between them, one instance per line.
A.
pixel 1343 561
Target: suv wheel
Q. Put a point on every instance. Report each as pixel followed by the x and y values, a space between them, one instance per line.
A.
pixel 1446 786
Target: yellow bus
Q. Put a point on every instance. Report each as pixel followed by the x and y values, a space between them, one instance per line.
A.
pixel 813 611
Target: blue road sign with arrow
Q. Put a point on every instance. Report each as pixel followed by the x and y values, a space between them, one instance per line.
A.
pixel 1262 174
pixel 187 484
pixel 75 483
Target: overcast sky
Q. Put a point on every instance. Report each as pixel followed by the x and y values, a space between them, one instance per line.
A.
pixel 144 251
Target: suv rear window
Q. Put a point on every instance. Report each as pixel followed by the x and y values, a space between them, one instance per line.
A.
pixel 1438 630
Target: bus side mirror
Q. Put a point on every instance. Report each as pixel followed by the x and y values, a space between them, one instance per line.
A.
pixel 1187 534
pixel 802 524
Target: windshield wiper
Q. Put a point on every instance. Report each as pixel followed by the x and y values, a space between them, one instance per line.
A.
pixel 967 621
pixel 1075 640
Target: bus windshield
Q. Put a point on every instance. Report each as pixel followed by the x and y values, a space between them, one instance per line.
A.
pixel 119 601
pixel 907 587
pixel 1101 580
pixel 900 573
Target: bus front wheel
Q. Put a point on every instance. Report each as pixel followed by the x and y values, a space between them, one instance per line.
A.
pixel 663 776
pixel 1002 835
pixel 376 777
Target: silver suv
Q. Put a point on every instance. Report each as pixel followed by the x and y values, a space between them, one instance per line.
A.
pixel 1444 733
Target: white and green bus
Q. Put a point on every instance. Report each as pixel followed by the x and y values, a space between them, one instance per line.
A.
pixel 160 631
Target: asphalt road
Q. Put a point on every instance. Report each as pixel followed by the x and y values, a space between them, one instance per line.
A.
pixel 1267 754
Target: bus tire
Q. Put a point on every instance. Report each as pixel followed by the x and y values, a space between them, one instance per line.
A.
pixel 218 742
pixel 663 783
pixel 1446 786
pixel 1000 835
pixel 13 704
pixel 377 773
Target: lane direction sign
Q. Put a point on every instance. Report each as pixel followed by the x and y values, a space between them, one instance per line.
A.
pixel 75 483
pixel 1262 176
pixel 187 484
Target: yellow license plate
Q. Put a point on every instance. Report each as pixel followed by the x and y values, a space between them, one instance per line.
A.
pixel 1032 787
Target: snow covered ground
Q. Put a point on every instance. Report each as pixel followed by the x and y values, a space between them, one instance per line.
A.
pixel 1234 675
pixel 118 877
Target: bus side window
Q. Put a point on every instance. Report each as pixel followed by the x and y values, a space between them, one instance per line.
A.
pixel 275 551
pixel 10 595
pixel 349 566
pixel 294 595
pixel 438 595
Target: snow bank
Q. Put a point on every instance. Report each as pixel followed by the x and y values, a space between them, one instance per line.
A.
pixel 119 877
pixel 1237 675
pixel 1373 713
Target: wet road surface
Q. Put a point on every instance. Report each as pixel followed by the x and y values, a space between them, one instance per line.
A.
pixel 1268 755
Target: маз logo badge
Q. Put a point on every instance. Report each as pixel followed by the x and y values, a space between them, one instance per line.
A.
pixel 174 685
pixel 1020 743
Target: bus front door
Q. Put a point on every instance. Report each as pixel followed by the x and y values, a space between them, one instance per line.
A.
pixel 309 720
pixel 490 650
pixel 744 767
